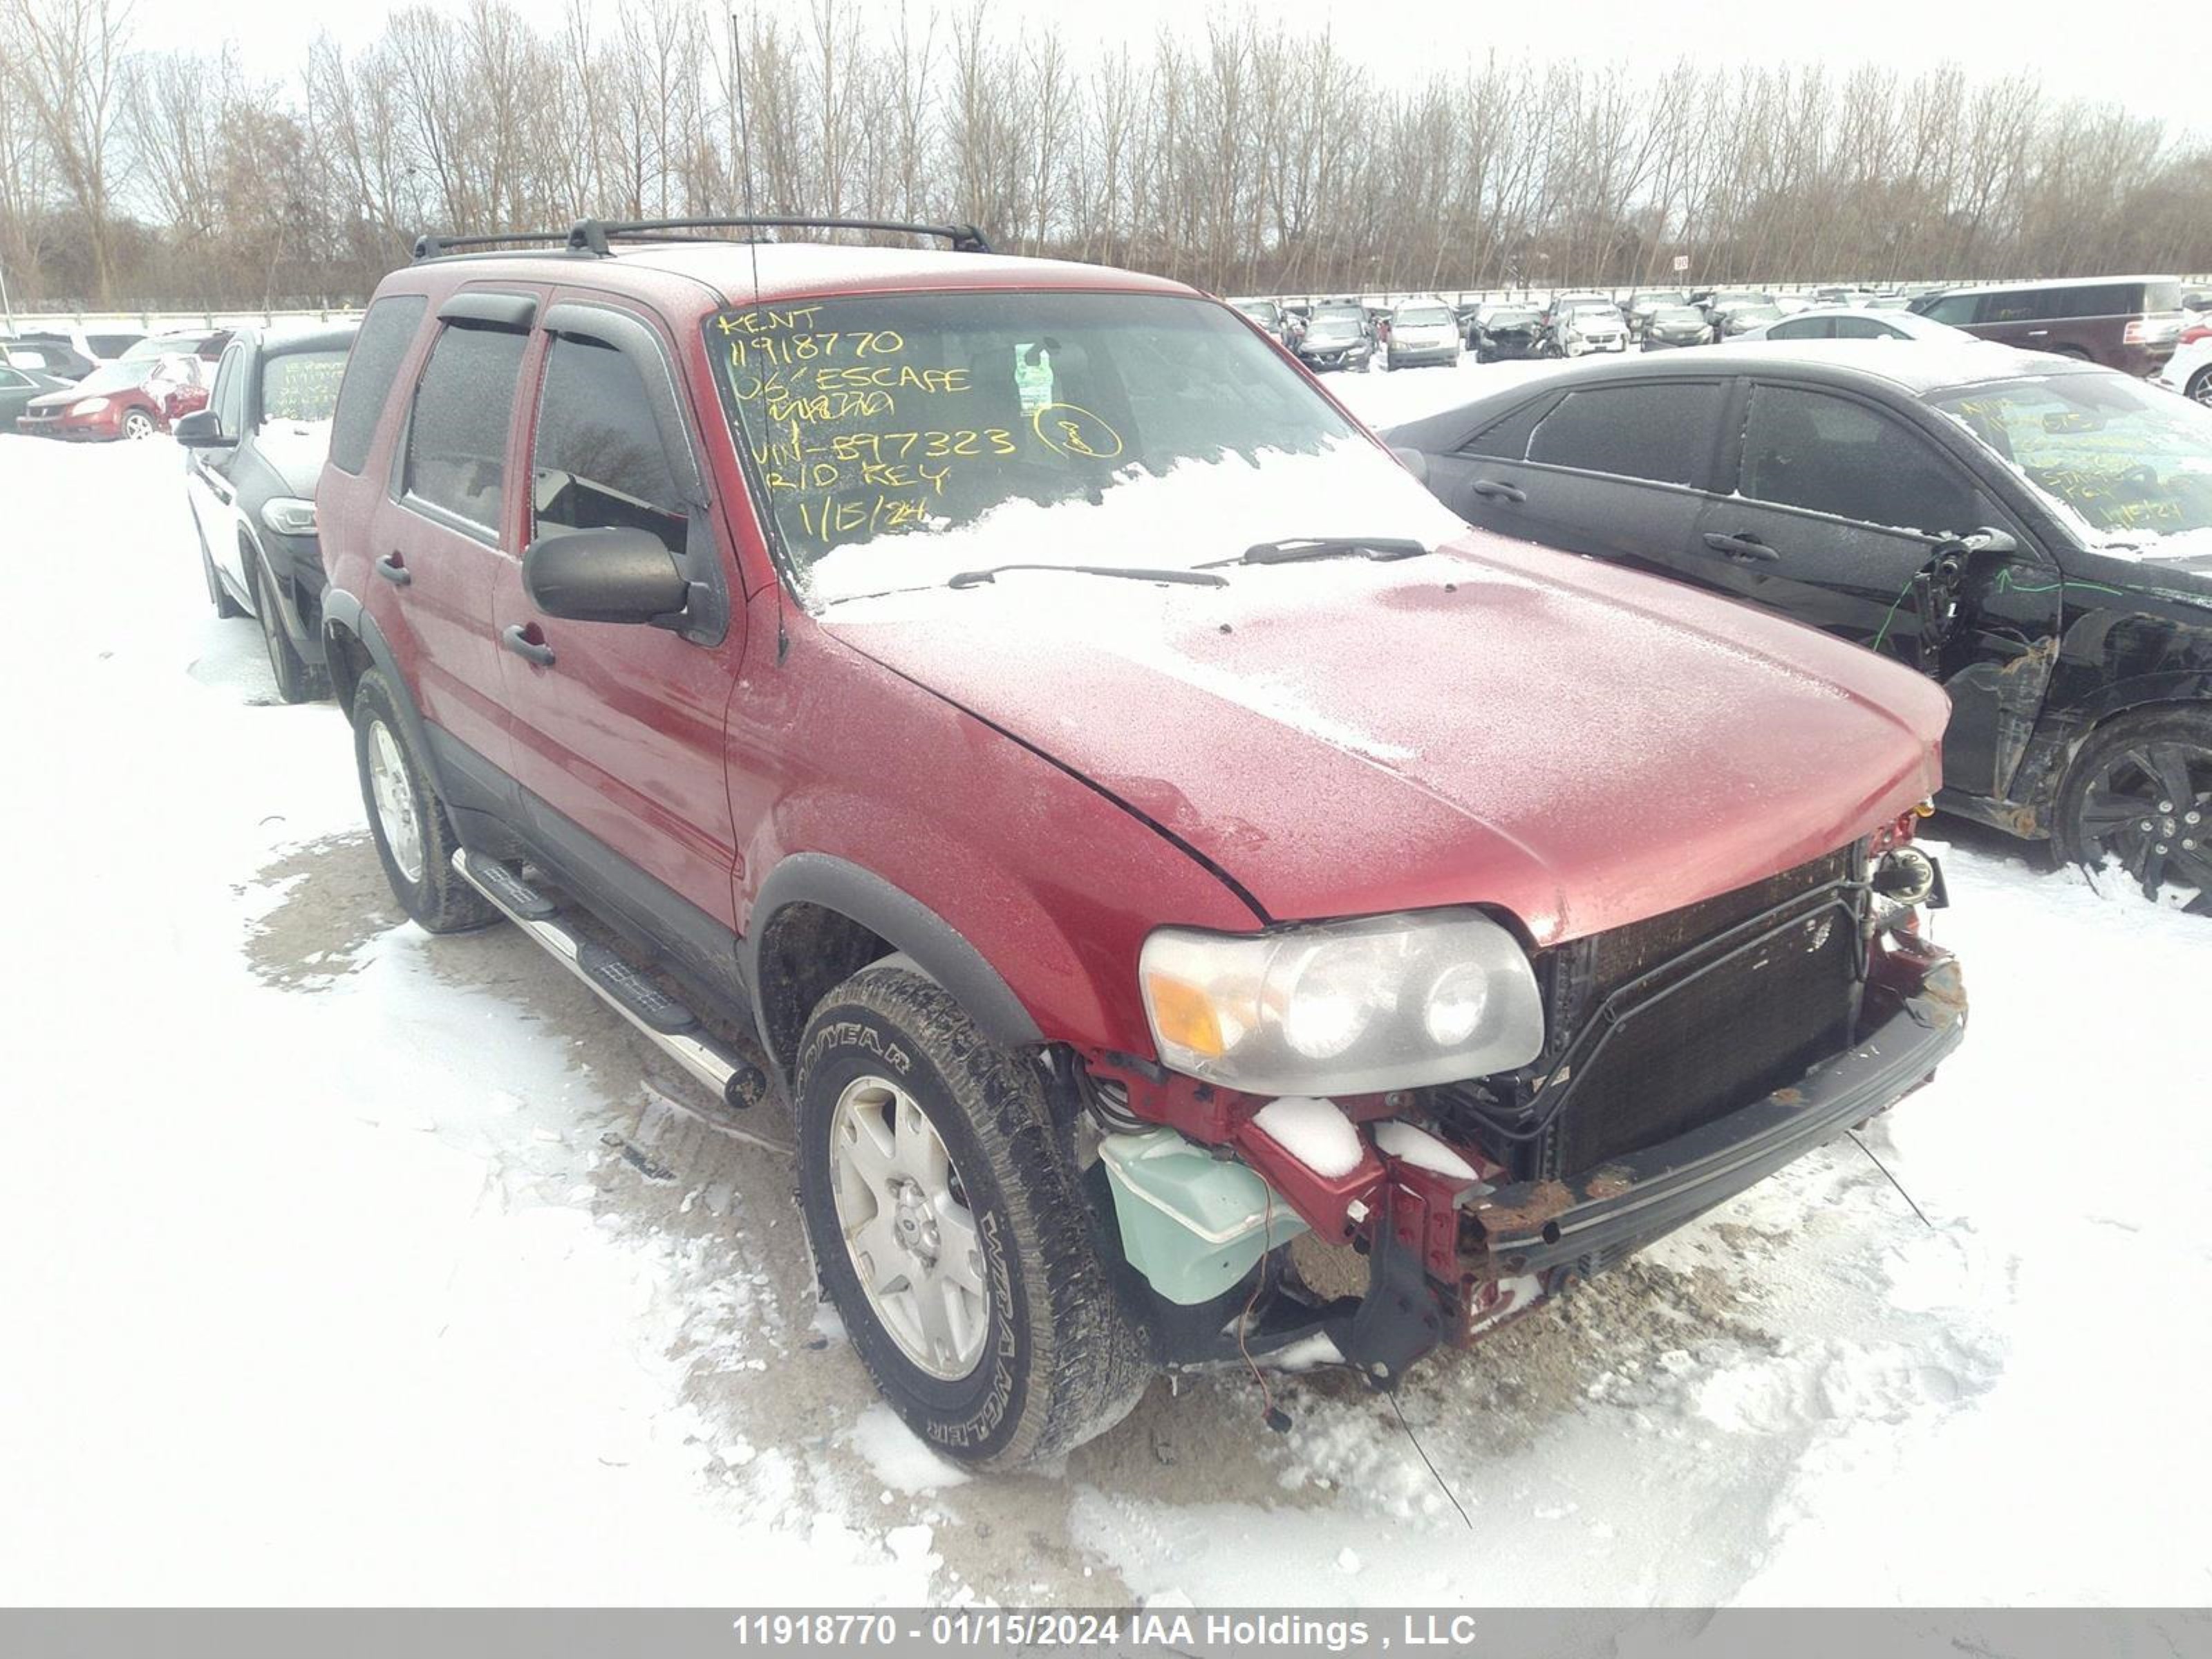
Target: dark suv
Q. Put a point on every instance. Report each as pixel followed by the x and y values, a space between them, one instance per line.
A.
pixel 2127 323
pixel 1151 842
pixel 251 461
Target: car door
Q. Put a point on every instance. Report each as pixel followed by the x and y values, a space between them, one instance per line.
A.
pixel 618 728
pixel 16 389
pixel 208 481
pixel 1836 510
pixel 1617 470
pixel 439 537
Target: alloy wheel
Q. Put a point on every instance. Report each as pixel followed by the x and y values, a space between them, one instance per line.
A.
pixel 137 424
pixel 2200 389
pixel 2150 809
pixel 398 813
pixel 904 1213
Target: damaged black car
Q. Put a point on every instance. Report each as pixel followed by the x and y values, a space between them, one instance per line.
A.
pixel 2034 533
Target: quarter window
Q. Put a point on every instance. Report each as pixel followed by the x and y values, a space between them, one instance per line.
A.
pixel 598 462
pixel 1802 328
pixel 457 443
pixel 1863 328
pixel 230 393
pixel 1662 432
pixel 1827 454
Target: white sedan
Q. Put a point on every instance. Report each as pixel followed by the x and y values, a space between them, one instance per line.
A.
pixel 1853 323
pixel 2189 371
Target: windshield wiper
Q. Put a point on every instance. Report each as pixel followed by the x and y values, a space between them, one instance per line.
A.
pixel 1325 547
pixel 1135 573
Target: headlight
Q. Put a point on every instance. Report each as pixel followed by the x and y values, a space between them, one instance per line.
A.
pixel 89 406
pixel 288 515
pixel 1352 1007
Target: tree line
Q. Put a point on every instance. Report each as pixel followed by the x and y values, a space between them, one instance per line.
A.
pixel 1240 156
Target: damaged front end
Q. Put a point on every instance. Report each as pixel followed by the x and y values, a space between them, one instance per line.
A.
pixel 1684 1058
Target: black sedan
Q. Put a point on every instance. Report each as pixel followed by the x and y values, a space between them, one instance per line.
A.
pixel 19 385
pixel 2032 532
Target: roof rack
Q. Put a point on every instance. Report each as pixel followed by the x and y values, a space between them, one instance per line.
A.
pixel 593 235
pixel 435 245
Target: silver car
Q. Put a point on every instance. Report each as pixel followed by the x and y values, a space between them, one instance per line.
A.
pixel 1423 331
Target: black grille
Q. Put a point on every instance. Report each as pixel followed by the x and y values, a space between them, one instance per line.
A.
pixel 1754 1023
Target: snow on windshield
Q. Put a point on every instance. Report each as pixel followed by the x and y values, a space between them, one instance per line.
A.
pixel 901 439
pixel 2128 467
pixel 1196 513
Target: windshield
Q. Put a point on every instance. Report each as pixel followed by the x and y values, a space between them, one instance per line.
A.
pixel 1426 317
pixel 121 376
pixel 1678 316
pixel 1596 313
pixel 1754 313
pixel 2132 462
pixel 1511 319
pixel 902 437
pixel 302 386
pixel 1264 311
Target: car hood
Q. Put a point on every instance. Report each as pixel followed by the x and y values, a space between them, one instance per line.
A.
pixel 295 450
pixel 62 400
pixel 1494 723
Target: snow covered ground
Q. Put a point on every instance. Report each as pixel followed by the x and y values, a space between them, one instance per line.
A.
pixel 346 1265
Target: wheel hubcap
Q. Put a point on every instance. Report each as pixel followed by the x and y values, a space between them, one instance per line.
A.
pixel 2150 812
pixel 912 1239
pixel 396 815
pixel 138 426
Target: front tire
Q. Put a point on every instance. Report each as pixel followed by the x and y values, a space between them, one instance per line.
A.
pixel 2199 389
pixel 2140 793
pixel 298 680
pixel 415 839
pixel 948 1231
pixel 137 425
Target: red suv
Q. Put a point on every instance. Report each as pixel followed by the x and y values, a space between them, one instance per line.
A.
pixel 1196 894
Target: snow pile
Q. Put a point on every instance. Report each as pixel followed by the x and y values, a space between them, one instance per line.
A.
pixel 1412 1144
pixel 1314 1131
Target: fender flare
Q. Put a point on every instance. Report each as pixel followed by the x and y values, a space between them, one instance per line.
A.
pixel 935 946
pixel 343 614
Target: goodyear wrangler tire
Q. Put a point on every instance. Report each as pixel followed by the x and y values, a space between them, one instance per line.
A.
pixel 949 1231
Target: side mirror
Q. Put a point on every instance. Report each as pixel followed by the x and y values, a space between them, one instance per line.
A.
pixel 1988 540
pixel 199 430
pixel 1413 460
pixel 603 575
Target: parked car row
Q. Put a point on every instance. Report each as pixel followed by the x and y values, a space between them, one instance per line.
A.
pixel 50 387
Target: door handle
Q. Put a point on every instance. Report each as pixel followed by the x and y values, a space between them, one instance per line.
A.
pixel 394 570
pixel 1496 491
pixel 2037 333
pixel 1749 549
pixel 518 639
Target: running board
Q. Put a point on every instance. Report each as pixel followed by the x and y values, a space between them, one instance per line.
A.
pixel 667 1023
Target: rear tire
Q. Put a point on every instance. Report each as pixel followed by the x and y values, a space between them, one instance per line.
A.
pixel 2199 389
pixel 927 1160
pixel 2131 795
pixel 415 839
pixel 297 679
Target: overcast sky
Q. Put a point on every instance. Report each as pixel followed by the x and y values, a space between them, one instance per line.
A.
pixel 2151 57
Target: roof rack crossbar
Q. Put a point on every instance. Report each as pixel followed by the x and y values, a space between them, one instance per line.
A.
pixel 437 246
pixel 593 235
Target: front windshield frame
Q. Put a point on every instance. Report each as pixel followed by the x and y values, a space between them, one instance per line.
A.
pixel 794 567
pixel 2093 526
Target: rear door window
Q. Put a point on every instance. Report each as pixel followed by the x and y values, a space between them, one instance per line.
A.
pixel 1956 309
pixel 1662 432
pixel 1828 454
pixel 597 463
pixel 378 351
pixel 1803 328
pixel 457 441
pixel 1865 328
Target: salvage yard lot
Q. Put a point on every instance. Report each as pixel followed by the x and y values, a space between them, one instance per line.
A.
pixel 351 1265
